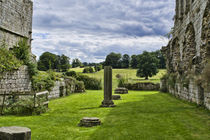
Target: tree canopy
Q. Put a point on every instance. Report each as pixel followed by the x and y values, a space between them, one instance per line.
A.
pixel 52 61
pixel 148 65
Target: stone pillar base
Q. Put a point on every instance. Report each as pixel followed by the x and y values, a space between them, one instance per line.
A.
pixel 108 103
pixel 15 133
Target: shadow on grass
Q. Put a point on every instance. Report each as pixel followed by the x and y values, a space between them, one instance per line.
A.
pixel 157 116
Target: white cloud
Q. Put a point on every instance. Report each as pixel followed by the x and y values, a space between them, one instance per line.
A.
pixel 91 29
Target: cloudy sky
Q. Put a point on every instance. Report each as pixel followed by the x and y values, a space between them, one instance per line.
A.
pixel 91 29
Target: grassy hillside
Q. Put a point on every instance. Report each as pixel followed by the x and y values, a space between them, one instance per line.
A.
pixel 139 115
pixel 129 74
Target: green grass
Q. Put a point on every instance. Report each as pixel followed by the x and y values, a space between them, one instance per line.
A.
pixel 139 115
pixel 77 69
pixel 129 74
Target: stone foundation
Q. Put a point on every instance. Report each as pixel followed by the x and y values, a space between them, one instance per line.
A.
pixel 143 86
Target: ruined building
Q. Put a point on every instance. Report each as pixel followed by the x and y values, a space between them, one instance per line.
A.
pixel 188 53
pixel 15 24
pixel 15 21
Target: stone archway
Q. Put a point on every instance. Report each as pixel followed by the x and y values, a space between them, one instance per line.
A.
pixel 189 47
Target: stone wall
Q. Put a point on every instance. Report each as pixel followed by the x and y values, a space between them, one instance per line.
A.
pixel 188 52
pixel 143 86
pixel 15 21
pixel 16 81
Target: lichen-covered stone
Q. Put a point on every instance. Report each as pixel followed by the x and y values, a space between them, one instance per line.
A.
pixel 15 133
pixel 15 21
pixel 188 51
pixel 121 90
pixel 143 86
pixel 89 122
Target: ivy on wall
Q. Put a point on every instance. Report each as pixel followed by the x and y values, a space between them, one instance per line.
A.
pixel 8 62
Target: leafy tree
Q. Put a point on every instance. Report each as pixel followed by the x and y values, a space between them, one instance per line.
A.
pixel 76 63
pixel 125 61
pixel 147 66
pixel 113 59
pixel 134 61
pixel 51 61
pixel 64 63
pixel 47 61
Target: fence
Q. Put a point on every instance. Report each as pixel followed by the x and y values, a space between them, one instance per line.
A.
pixel 36 98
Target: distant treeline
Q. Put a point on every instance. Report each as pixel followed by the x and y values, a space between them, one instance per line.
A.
pixel 62 63
pixel 116 60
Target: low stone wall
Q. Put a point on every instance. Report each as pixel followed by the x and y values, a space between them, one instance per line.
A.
pixel 58 90
pixel 193 92
pixel 61 88
pixel 143 86
pixel 16 81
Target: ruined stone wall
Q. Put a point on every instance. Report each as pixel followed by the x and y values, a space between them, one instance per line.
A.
pixel 15 21
pixel 188 51
pixel 15 24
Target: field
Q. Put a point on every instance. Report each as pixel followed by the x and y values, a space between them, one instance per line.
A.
pixel 129 74
pixel 139 115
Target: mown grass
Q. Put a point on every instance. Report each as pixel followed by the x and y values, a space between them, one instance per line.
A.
pixel 129 74
pixel 139 115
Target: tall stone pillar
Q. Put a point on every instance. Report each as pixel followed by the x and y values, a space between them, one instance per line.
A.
pixel 107 102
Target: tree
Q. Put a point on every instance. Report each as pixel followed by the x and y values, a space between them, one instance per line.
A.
pixel 51 61
pixel 64 63
pixel 134 61
pixel 125 61
pixel 113 59
pixel 147 66
pixel 76 63
pixel 47 61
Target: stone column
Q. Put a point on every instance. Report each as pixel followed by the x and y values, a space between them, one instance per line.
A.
pixel 107 102
pixel 15 133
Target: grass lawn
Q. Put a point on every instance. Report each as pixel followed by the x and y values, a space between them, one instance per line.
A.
pixel 139 115
pixel 129 74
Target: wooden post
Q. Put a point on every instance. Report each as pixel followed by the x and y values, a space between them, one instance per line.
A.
pixel 107 102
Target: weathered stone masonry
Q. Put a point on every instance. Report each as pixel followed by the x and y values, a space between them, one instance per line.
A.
pixel 15 24
pixel 188 52
pixel 15 21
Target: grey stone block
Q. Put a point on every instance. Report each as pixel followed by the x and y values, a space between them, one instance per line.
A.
pixel 15 133
pixel 89 122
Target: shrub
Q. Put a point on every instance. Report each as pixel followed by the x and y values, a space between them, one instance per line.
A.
pixel 121 82
pixel 79 86
pixel 88 70
pixel 98 68
pixel 25 107
pixel 90 83
pixel 22 51
pixel 8 62
pixel 118 76
pixel 71 73
pixel 43 81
